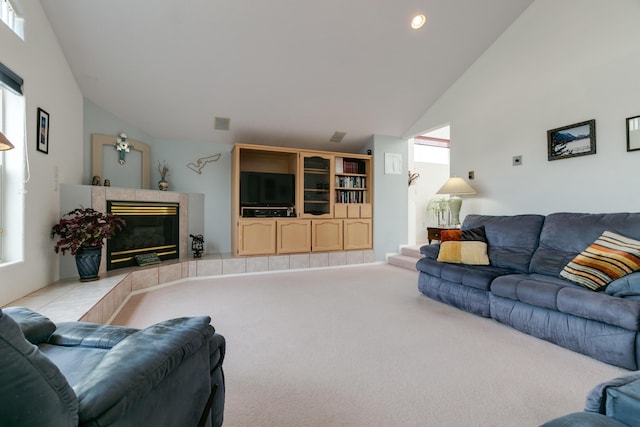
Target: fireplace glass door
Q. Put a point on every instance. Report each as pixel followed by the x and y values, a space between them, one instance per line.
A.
pixel 152 227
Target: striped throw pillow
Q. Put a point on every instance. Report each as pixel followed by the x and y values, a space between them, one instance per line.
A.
pixel 610 257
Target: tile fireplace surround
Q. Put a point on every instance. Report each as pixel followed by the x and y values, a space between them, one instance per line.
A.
pixel 99 301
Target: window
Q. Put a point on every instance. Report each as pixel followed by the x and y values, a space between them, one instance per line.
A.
pixel 9 14
pixel 12 167
pixel 431 150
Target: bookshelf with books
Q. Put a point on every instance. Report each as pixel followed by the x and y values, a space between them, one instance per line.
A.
pixel 352 180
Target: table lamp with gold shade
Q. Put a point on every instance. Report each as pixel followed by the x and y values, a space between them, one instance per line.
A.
pixel 455 186
pixel 5 144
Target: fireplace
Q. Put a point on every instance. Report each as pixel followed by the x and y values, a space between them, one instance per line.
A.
pixel 152 227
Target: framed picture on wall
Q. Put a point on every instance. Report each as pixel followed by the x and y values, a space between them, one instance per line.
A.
pixel 633 133
pixel 578 139
pixel 43 131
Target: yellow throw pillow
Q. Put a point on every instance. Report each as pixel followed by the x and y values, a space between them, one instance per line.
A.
pixel 464 252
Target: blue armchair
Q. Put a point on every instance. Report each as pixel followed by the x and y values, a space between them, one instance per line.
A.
pixel 84 374
pixel 613 403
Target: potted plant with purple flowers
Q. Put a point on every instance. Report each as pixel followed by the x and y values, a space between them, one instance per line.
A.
pixel 82 232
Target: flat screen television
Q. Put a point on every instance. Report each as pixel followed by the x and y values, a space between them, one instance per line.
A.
pixel 267 189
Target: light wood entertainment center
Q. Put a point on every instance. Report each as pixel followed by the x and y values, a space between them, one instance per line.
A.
pixel 329 208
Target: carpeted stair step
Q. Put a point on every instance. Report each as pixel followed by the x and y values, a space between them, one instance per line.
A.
pixel 403 261
pixel 412 251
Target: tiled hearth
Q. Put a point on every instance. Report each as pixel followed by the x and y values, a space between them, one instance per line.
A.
pixel 98 301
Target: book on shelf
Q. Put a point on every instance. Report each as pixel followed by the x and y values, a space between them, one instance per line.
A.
pixel 351 182
pixel 351 196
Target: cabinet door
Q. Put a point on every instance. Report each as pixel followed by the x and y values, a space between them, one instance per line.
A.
pixel 316 185
pixel 357 234
pixel 293 236
pixel 256 237
pixel 326 235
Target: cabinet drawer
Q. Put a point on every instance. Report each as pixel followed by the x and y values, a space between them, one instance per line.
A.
pixel 366 211
pixel 340 210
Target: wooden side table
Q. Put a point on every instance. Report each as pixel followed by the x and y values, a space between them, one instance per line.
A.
pixel 433 233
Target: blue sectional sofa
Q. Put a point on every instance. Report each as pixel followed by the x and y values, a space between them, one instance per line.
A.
pixel 85 374
pixel 522 288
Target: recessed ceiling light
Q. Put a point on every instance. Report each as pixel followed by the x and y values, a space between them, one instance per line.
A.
pixel 418 21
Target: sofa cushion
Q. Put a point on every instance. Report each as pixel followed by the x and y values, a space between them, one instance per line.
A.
pixel 534 289
pixel 554 293
pixel 610 257
pixel 475 276
pixel 565 235
pixel 83 334
pixel 511 240
pixel 599 306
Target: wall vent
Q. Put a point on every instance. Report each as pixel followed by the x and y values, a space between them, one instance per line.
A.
pixel 222 123
pixel 337 136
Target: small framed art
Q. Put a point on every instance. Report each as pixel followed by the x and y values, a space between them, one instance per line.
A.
pixel 43 131
pixel 633 133
pixel 578 139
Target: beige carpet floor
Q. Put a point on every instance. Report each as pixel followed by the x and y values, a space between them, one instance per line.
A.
pixel 360 346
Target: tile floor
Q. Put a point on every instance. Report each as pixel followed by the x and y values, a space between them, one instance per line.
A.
pixel 98 301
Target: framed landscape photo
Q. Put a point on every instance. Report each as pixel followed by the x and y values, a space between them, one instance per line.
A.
pixel 633 133
pixel 578 139
pixel 43 131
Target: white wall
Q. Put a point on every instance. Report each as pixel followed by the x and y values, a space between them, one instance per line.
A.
pixel 389 197
pixel 48 84
pixel 214 182
pixel 559 63
pixel 432 177
pixel 99 120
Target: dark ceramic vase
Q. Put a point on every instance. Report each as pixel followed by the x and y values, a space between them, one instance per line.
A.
pixel 88 263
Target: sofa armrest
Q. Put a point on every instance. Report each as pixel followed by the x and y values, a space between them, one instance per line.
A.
pixel 35 327
pixel 70 334
pixel 597 397
pixel 430 251
pixel 137 364
pixel 625 287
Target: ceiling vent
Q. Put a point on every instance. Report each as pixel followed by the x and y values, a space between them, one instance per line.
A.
pixel 337 136
pixel 222 123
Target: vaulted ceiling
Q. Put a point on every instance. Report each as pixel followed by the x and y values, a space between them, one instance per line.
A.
pixel 286 72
